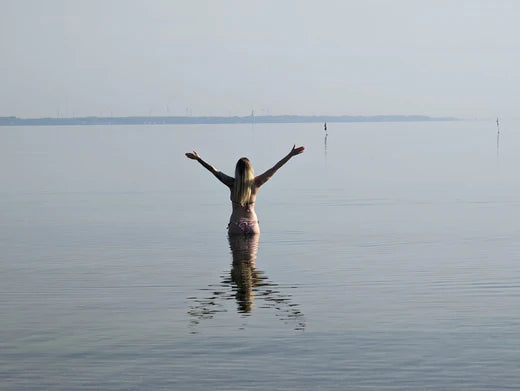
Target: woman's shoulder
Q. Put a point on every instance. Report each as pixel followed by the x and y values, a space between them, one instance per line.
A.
pixel 226 179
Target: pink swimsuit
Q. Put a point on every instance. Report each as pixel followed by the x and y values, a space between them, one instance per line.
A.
pixel 245 225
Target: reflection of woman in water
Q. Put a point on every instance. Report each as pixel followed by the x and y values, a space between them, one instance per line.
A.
pixel 244 187
pixel 244 274
pixel 246 285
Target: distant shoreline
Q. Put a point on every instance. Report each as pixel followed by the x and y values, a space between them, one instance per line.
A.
pixel 186 120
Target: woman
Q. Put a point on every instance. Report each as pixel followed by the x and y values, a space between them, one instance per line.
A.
pixel 244 187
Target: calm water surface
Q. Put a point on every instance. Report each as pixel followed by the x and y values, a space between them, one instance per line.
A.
pixel 389 259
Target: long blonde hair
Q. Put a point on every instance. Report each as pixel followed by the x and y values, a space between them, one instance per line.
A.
pixel 244 180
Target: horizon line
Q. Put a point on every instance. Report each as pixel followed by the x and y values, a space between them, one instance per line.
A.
pixel 184 119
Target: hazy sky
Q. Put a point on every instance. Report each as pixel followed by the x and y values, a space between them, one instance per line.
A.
pixel 127 57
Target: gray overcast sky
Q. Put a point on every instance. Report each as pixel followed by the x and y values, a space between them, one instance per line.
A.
pixel 127 57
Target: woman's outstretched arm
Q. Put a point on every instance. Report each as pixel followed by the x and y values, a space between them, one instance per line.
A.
pixel 261 179
pixel 225 179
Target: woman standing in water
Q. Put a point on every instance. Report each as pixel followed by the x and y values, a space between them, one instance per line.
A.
pixel 244 187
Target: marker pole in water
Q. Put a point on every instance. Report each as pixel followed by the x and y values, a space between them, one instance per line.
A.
pixel 498 137
pixel 498 143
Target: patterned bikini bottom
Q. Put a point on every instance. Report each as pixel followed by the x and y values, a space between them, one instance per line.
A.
pixel 245 226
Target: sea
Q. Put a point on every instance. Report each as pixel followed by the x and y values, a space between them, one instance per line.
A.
pixel 388 259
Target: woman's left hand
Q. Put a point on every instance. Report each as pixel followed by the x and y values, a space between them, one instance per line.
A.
pixel 192 155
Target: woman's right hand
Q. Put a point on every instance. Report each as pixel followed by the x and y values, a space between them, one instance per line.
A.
pixel 296 151
pixel 192 155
